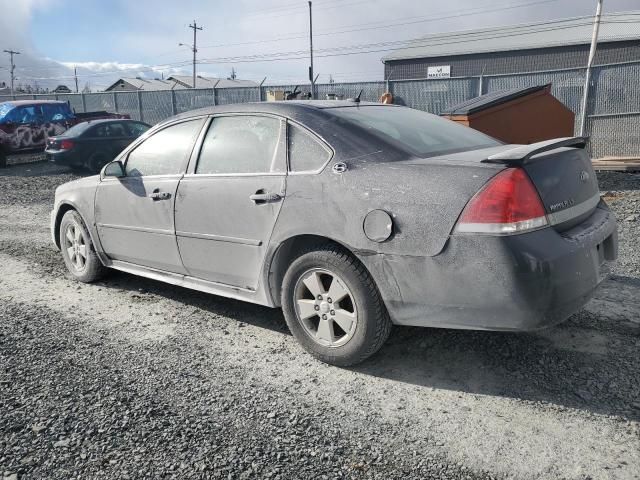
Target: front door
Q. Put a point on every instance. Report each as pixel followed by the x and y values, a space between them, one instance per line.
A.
pixel 135 214
pixel 227 206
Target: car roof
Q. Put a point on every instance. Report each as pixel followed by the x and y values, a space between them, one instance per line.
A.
pixel 284 108
pixel 19 103
pixel 98 121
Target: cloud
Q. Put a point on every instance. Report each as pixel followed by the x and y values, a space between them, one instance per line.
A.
pixel 14 21
pixel 104 66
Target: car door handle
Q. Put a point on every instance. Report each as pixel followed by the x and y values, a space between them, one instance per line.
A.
pixel 260 197
pixel 155 196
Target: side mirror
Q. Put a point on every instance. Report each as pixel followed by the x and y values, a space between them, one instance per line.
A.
pixel 114 169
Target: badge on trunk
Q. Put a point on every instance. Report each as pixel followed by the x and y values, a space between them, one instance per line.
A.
pixel 584 176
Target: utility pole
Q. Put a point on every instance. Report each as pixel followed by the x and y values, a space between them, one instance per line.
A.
pixel 194 48
pixel 311 79
pixel 587 76
pixel 13 66
pixel 75 75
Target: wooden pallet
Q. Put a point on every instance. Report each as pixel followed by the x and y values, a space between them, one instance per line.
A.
pixel 617 164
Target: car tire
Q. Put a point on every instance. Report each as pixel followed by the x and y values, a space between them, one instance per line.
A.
pixel 96 162
pixel 3 159
pixel 311 314
pixel 77 249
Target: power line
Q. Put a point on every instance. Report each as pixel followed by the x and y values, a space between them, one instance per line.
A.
pixel 461 37
pixel 375 25
pixel 323 6
pixel 292 6
pixel 455 38
pixel 295 55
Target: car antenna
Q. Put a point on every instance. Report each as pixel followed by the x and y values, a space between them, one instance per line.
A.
pixel 357 99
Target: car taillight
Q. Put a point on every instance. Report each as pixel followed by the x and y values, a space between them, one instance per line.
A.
pixel 66 145
pixel 509 203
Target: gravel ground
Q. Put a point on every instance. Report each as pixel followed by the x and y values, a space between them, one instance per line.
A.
pixel 131 378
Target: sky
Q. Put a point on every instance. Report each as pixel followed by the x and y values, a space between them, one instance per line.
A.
pixel 108 39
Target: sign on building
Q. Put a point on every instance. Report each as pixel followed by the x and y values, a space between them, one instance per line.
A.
pixel 441 71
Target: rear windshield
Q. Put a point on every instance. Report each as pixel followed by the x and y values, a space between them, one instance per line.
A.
pixel 78 129
pixel 419 133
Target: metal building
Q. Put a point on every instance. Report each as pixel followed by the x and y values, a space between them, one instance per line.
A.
pixel 530 47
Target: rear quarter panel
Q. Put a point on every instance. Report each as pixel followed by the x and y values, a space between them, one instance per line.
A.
pixel 424 201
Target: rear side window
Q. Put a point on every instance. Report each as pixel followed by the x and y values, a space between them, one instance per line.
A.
pixel 165 152
pixel 306 153
pixel 240 144
pixel 23 115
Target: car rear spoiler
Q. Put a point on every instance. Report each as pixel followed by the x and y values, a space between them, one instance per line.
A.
pixel 522 154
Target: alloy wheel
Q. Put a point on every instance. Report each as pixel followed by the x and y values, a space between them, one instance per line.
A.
pixel 76 247
pixel 325 307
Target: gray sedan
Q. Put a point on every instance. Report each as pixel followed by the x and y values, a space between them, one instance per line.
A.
pixel 351 217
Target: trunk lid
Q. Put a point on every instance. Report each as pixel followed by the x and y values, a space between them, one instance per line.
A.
pixel 567 185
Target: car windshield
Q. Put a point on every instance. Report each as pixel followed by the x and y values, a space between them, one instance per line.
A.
pixel 419 133
pixel 5 108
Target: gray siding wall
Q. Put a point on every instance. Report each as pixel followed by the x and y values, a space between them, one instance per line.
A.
pixel 517 61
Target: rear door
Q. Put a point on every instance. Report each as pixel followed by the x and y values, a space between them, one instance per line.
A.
pixel 135 214
pixel 228 203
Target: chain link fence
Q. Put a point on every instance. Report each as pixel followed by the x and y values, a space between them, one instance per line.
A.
pixel 434 96
pixel 612 121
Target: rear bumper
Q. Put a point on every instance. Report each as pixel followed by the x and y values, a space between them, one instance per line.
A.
pixel 62 158
pixel 518 282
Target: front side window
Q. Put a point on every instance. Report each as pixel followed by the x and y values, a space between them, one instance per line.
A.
pixel 240 144
pixel 24 115
pixel 419 133
pixel 306 153
pixel 165 152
